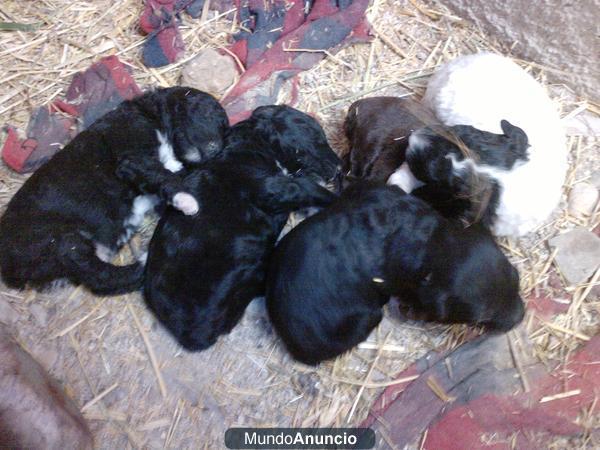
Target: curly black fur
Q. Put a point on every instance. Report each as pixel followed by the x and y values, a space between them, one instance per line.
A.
pixel 82 198
pixel 203 270
pixel 330 276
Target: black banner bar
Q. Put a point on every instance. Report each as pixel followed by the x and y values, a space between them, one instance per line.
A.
pixel 299 438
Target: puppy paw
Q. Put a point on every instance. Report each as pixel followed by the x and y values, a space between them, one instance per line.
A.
pixel 185 203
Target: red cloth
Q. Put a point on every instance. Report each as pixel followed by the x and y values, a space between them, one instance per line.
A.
pixel 273 27
pixel 92 93
pixel 489 407
pixel 265 54
pixel 164 44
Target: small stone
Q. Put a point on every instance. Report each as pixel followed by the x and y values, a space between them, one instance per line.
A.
pixel 578 254
pixel 210 72
pixel 582 199
pixel 7 314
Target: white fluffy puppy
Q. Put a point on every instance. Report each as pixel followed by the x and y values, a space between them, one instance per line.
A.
pixel 481 90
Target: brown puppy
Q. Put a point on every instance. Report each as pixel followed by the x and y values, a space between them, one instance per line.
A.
pixel 378 129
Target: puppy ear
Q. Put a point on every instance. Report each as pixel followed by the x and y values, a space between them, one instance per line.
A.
pixel 507 127
pixel 514 132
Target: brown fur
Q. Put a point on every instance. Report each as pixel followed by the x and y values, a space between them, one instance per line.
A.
pixel 378 129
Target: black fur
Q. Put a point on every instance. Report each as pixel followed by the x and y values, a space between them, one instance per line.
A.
pixel 330 276
pixel 202 271
pixel 464 194
pixel 83 196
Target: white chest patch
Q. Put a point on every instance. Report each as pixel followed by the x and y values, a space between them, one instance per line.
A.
pixel 404 179
pixel 166 154
pixel 283 169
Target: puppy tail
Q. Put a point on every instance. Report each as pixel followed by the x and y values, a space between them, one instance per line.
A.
pixel 78 256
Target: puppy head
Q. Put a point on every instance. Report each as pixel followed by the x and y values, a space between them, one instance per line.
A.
pixel 446 159
pixel 472 282
pixel 428 156
pixel 200 123
pixel 460 142
pixel 298 140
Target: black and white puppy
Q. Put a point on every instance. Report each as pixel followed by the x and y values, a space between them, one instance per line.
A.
pixel 74 212
pixel 330 276
pixel 459 170
pixel 203 270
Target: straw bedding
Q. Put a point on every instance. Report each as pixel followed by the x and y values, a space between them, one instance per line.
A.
pixel 136 387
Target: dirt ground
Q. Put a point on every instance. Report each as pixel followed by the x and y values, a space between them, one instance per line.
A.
pixel 136 387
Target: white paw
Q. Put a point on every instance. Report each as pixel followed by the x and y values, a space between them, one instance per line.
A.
pixel 185 203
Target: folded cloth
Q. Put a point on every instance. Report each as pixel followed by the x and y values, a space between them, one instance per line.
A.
pixel 270 31
pixel 273 29
pixel 101 88
pixel 160 20
pixel 92 93
pixel 270 47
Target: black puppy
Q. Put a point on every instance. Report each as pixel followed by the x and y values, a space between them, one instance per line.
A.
pixel 202 271
pixel 330 276
pixel 460 168
pixel 75 211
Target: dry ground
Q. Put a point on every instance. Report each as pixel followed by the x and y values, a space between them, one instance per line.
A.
pixel 136 387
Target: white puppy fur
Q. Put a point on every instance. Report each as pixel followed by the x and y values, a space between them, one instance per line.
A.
pixel 482 89
pixel 404 179
pixel 183 201
pixel 167 155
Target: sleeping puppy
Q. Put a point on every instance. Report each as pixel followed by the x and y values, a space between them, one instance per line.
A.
pixel 377 129
pixel 71 216
pixel 330 276
pixel 203 270
pixel 459 170
pixel 466 188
